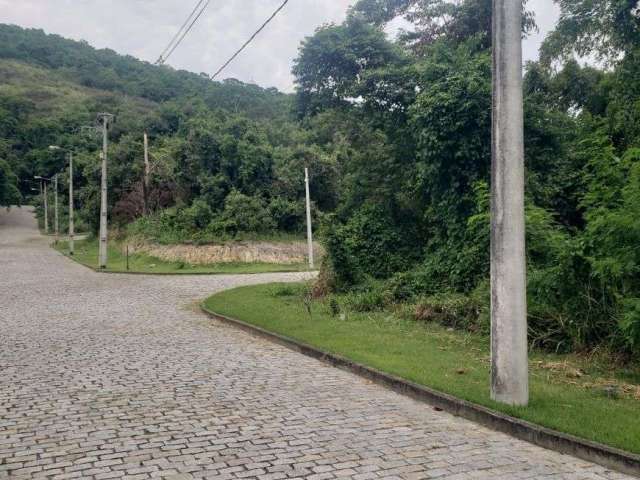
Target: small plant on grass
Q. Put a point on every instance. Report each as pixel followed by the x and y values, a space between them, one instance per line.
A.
pixel 307 299
pixel 334 307
pixel 285 290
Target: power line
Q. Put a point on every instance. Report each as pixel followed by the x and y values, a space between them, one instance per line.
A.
pixel 233 57
pixel 182 33
pixel 188 29
pixel 175 37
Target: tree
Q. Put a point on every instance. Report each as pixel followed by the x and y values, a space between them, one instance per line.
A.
pixel 606 28
pixel 331 64
pixel 9 192
pixel 432 20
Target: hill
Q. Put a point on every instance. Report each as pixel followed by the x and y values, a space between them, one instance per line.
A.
pixel 106 70
pixel 208 138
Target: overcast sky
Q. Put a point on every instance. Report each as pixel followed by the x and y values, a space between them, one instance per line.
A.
pixel 142 28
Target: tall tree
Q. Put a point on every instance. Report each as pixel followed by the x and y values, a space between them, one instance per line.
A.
pixel 606 28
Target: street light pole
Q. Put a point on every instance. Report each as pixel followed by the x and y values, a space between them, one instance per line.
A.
pixel 45 193
pixel 309 229
pixel 509 361
pixel 56 224
pixel 105 118
pixel 71 225
pixel 46 209
pixel 145 182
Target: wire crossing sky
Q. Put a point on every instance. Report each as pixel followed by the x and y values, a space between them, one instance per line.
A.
pixel 245 44
pixel 142 28
pixel 183 32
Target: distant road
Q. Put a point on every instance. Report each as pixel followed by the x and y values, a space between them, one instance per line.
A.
pixel 115 376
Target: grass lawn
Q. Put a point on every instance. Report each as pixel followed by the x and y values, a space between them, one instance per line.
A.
pixel 86 253
pixel 567 391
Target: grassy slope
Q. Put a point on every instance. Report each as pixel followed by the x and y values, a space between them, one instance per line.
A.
pixel 452 362
pixel 52 93
pixel 86 253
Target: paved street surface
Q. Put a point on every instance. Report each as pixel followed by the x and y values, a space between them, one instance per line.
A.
pixel 115 376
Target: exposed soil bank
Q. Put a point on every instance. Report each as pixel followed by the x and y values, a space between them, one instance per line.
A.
pixel 233 252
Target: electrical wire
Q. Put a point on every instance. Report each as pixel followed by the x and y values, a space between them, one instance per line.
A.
pixel 175 37
pixel 188 29
pixel 182 33
pixel 233 57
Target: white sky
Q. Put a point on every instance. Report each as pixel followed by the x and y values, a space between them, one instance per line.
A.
pixel 142 28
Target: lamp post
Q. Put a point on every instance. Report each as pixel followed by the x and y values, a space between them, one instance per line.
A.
pixel 44 193
pixel 56 224
pixel 308 208
pixel 71 212
pixel 145 182
pixel 104 120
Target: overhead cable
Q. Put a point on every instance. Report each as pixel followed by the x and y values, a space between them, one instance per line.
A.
pixel 233 57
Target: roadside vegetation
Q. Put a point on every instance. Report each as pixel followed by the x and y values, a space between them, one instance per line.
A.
pixel 396 133
pixel 590 396
pixel 86 253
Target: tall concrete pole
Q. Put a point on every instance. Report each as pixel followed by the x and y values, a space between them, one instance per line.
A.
pixel 309 229
pixel 56 224
pixel 71 225
pixel 102 263
pixel 509 362
pixel 147 173
pixel 46 209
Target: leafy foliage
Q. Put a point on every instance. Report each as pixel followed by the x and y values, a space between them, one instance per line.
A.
pixel 396 134
pixel 414 199
pixel 604 27
pixel 9 193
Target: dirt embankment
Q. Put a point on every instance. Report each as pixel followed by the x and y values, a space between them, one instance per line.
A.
pixel 233 252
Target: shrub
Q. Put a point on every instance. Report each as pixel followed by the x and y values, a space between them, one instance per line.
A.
pixel 369 244
pixel 367 300
pixel 246 214
pixel 452 310
pixel 197 216
pixel 288 215
pixel 166 227
pixel 405 286
pixel 630 321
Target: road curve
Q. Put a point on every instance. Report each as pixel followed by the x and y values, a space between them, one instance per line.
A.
pixel 116 376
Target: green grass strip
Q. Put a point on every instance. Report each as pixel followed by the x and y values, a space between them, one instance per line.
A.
pixel 452 362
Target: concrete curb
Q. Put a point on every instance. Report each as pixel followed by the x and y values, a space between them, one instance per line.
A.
pixel 172 274
pixel 604 455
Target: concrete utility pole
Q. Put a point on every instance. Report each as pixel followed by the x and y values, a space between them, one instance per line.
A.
pixel 71 225
pixel 44 192
pixel 46 209
pixel 147 172
pixel 309 229
pixel 104 119
pixel 56 224
pixel 509 362
pixel 71 232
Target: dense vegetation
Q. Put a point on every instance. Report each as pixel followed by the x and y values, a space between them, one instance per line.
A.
pixel 412 223
pixel 226 157
pixel 397 136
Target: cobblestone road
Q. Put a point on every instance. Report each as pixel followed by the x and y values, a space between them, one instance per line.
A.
pixel 110 376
